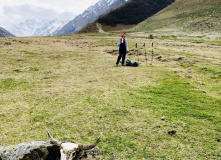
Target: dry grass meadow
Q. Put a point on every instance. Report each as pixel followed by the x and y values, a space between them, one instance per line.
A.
pixel 70 86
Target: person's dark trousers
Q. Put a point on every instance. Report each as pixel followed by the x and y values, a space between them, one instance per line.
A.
pixel 122 53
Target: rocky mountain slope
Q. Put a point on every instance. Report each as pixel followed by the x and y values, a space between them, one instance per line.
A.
pixel 92 13
pixel 192 15
pixel 5 33
pixel 127 16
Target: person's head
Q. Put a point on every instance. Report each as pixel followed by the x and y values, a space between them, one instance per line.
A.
pixel 123 35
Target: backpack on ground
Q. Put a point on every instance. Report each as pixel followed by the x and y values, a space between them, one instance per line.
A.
pixel 129 63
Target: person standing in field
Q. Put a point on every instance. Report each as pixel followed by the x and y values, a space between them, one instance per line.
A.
pixel 123 49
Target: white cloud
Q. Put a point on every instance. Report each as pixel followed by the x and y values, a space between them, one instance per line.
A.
pixel 76 6
pixel 14 14
pixel 14 11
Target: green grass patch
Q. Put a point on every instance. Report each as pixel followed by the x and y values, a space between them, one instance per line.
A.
pixel 39 117
pixel 183 101
pixel 212 70
pixel 11 83
pixel 34 68
pixel 168 37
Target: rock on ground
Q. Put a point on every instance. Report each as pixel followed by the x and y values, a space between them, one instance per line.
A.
pixel 40 150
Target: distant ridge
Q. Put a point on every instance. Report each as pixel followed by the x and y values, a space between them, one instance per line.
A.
pixel 128 15
pixel 5 33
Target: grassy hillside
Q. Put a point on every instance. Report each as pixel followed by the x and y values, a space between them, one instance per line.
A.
pixel 126 16
pixel 188 15
pixel 70 86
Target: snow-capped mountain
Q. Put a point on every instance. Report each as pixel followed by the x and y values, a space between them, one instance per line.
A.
pixel 26 28
pixel 49 27
pixel 92 13
pixel 59 26
pixel 33 27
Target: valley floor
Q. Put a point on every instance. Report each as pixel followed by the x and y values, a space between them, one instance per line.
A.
pixel 70 86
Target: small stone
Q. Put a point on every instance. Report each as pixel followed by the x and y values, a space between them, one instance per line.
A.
pixel 159 57
pixel 7 43
pixel 163 118
pixel 173 132
pixel 180 58
pixel 17 70
pixel 150 36
pixel 190 70
pixel 189 77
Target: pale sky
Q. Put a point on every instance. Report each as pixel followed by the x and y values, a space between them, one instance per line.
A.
pixel 15 11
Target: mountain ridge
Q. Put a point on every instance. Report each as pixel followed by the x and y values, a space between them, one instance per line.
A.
pixel 89 15
pixel 5 33
pixel 128 15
